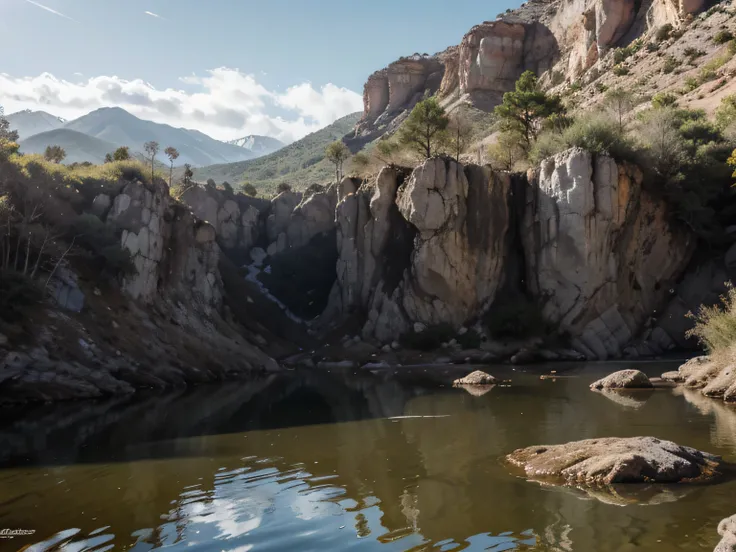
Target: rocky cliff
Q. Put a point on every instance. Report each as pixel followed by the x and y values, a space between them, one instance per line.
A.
pixel 567 37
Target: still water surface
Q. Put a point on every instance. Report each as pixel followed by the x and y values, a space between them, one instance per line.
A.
pixel 340 461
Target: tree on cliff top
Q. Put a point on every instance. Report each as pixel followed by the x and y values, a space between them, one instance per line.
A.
pixel 6 134
pixel 424 129
pixel 337 153
pixel 55 154
pixel 172 153
pixel 151 149
pixel 524 109
pixel 459 135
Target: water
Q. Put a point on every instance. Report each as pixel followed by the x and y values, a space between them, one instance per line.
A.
pixel 335 461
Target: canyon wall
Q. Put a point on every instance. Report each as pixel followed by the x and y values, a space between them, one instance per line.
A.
pixel 444 244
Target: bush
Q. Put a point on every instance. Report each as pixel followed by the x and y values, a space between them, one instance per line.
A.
pixel 715 327
pixel 599 134
pixel 548 144
pixel 283 187
pixel 726 112
pixel 664 99
pixel 691 83
pixel 557 78
pixel 517 319
pixel 652 47
pixel 249 189
pixel 722 36
pixel 663 33
pixel 670 64
pixel 620 70
pixel 693 53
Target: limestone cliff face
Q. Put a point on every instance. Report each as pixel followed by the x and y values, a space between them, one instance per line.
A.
pixel 600 253
pixel 235 217
pixel 296 218
pixel 429 248
pixel 171 250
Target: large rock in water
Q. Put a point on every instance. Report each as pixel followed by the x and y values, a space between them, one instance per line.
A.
pixel 715 376
pixel 476 378
pixel 599 249
pixel 616 460
pixel 727 531
pixel 623 379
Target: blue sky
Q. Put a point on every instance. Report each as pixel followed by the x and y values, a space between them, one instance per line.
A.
pixel 298 63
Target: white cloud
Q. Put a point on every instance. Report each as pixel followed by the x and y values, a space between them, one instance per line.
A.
pixel 225 103
pixel 153 14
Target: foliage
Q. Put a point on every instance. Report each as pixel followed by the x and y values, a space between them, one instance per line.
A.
pixel 283 187
pixel 506 151
pixel 598 133
pixel 249 189
pixel 664 99
pixel 619 102
pixel 55 154
pixel 722 36
pixel 121 154
pixel 691 83
pixel 151 149
pixel 6 134
pixel 523 110
pixel 337 153
pixel 715 327
pixel 557 77
pixel 458 136
pixel 424 129
pixel 670 64
pixel 620 70
pixel 173 155
pixel 548 143
pixel 663 32
pixel 693 53
pixel 726 112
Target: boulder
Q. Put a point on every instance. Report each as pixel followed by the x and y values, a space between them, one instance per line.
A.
pixel 727 531
pixel 616 460
pixel 623 379
pixel 715 376
pixel 476 378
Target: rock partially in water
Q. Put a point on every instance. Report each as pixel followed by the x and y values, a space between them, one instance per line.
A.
pixel 727 531
pixel 476 378
pixel 716 375
pixel 617 460
pixel 624 379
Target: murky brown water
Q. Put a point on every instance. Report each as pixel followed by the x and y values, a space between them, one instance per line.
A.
pixel 321 461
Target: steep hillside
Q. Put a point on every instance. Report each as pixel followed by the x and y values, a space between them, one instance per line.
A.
pixel 79 147
pixel 117 126
pixel 28 122
pixel 299 164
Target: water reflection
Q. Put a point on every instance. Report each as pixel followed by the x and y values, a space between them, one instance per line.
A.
pixel 338 461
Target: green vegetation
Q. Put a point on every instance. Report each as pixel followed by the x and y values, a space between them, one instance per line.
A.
pixel 715 327
pixel 301 163
pixel 55 154
pixel 173 155
pixel 663 33
pixel 723 36
pixel 424 129
pixel 670 64
pixel 523 110
pixel 337 153
pixel 249 189
pixel 664 99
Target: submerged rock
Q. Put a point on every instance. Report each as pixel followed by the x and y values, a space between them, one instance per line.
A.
pixel 616 460
pixel 476 378
pixel 624 379
pixel 727 530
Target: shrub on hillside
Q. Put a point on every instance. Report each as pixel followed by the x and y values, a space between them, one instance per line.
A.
pixel 620 70
pixel 670 64
pixel 663 33
pixel 283 187
pixel 599 134
pixel 722 36
pixel 664 99
pixel 715 327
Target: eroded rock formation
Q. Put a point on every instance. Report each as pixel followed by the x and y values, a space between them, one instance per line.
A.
pixel 600 252
pixel 429 248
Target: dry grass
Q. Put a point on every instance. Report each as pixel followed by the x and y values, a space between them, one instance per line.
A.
pixel 715 327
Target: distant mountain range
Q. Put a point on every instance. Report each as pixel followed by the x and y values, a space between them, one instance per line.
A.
pixel 299 164
pixel 110 127
pixel 28 122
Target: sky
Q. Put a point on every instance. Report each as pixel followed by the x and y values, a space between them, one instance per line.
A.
pixel 282 68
